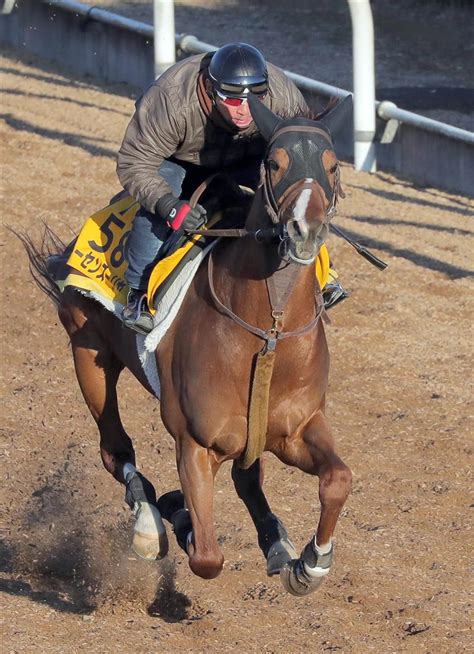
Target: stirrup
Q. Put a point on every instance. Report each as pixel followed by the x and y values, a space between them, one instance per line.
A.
pixel 135 315
pixel 334 292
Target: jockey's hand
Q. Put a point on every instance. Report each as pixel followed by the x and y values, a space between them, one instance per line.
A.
pixel 180 215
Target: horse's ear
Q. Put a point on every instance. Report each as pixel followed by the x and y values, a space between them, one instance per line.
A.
pixel 338 116
pixel 264 117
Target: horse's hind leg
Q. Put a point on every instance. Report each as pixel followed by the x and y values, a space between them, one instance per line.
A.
pixel 313 452
pixel 98 370
pixel 272 535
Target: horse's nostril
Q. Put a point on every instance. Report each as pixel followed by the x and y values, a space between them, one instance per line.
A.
pixel 298 230
pixel 294 231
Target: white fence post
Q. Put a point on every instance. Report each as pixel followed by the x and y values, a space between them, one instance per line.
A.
pixel 364 84
pixel 164 37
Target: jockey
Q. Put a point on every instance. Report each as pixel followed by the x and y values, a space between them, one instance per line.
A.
pixel 193 121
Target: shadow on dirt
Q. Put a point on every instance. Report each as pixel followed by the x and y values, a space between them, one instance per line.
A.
pixel 466 210
pixel 49 560
pixel 419 98
pixel 65 137
pixel 71 101
pixel 75 557
pixel 374 220
pixel 48 581
pixel 418 258
pixel 169 604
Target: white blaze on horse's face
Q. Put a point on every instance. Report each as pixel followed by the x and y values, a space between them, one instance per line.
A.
pixel 298 222
pixel 307 230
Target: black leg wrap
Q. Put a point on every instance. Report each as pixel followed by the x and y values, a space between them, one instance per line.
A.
pixel 139 489
pixel 170 503
pixel 182 525
pixel 270 530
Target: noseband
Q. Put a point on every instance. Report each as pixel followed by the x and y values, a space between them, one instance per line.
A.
pixel 275 209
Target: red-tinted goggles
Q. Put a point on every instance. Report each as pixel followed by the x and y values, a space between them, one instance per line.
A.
pixel 235 102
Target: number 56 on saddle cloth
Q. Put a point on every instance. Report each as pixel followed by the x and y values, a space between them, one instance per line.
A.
pixel 98 259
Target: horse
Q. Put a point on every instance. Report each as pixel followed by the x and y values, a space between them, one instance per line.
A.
pixel 245 358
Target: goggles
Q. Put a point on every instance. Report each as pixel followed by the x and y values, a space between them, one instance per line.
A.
pixel 234 95
pixel 236 102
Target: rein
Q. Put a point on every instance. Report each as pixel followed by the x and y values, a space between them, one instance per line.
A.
pixel 275 210
pixel 275 332
pixel 262 235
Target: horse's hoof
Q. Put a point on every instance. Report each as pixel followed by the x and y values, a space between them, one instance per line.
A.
pixel 296 581
pixel 150 541
pixel 305 575
pixel 278 555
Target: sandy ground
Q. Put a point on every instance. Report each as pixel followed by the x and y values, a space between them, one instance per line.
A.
pixel 400 403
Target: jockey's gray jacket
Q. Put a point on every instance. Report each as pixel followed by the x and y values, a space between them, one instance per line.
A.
pixel 175 118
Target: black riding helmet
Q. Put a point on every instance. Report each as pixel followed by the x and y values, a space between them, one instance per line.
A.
pixel 237 69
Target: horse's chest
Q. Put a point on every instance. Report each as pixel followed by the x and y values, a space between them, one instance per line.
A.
pixel 287 414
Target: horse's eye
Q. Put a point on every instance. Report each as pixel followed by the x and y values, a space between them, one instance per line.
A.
pixel 273 165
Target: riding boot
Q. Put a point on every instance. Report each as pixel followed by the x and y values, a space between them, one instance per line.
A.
pixel 136 315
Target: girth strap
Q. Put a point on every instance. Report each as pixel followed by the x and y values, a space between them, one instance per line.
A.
pixel 258 408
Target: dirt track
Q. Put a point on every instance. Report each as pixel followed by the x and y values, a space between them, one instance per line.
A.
pixel 399 404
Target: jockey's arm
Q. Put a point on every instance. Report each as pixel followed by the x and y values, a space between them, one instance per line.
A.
pixel 152 135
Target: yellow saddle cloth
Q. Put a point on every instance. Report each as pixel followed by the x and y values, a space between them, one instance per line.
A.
pixel 98 256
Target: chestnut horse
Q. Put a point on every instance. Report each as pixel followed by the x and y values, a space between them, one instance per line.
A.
pixel 256 302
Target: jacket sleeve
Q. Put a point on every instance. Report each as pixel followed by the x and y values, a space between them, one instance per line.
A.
pixel 152 135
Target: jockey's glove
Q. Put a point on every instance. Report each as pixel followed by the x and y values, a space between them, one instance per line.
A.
pixel 179 215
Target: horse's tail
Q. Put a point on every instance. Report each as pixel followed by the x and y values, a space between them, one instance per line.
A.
pixel 41 258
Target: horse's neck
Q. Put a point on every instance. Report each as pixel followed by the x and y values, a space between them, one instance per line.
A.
pixel 245 270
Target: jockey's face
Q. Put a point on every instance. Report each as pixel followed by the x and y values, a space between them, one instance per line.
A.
pixel 239 116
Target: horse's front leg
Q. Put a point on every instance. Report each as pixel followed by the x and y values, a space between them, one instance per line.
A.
pixel 313 451
pixel 197 468
pixel 272 535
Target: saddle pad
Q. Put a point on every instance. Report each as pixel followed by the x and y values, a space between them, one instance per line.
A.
pixel 99 254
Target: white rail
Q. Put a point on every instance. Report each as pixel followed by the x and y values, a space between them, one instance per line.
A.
pixel 102 16
pixel 164 37
pixel 364 84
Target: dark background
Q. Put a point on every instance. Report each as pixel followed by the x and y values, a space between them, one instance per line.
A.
pixel 423 49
